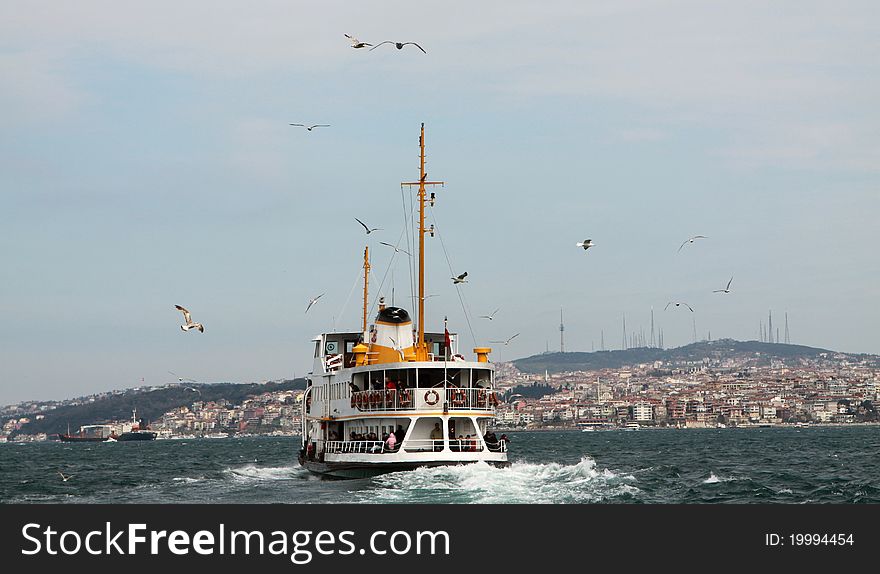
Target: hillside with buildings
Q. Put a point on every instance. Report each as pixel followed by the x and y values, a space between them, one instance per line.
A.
pixel 719 349
pixel 708 384
pixel 155 406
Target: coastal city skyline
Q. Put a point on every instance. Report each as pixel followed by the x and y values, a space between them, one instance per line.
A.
pixel 150 163
pixel 723 384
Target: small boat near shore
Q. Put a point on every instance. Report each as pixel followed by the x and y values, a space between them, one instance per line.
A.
pixel 110 432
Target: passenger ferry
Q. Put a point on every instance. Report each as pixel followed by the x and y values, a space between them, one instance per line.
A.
pixel 393 396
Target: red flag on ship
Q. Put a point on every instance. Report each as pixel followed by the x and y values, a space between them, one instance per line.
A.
pixel 446 340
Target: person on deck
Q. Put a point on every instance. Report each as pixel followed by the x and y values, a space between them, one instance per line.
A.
pixel 437 437
pixel 391 443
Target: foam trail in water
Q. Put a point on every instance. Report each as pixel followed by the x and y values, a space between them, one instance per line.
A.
pixel 252 472
pixel 713 479
pixel 520 483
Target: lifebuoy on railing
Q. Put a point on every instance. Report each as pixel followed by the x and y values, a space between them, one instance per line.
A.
pixel 375 398
pixel 389 397
pixel 481 398
pixel 432 397
pixel 405 398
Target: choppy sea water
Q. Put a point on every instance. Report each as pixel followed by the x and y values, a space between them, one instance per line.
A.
pixel 768 465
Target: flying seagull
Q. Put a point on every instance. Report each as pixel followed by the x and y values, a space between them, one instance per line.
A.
pixel 726 289
pixel 64 477
pixel 395 248
pixel 586 244
pixel 491 316
pixel 507 342
pixel 691 240
pixel 678 304
pixel 189 322
pixel 399 45
pixel 369 230
pixel 355 43
pixel 460 279
pixel 311 127
pixel 313 301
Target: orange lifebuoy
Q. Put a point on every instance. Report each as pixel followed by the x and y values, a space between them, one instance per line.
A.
pixel 433 400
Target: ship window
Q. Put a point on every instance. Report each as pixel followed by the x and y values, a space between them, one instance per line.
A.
pixel 317 349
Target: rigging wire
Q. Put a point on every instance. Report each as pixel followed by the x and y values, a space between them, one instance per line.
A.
pixel 409 226
pixel 375 303
pixel 347 299
pixel 464 308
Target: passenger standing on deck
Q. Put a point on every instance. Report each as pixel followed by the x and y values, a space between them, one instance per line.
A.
pixel 437 437
pixel 391 443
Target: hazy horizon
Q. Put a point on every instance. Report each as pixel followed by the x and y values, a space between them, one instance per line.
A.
pixel 147 161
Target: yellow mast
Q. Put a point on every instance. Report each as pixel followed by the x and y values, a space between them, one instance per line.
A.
pixel 421 347
pixel 366 284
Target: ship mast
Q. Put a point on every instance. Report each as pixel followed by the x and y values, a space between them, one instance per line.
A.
pixel 421 347
pixel 366 284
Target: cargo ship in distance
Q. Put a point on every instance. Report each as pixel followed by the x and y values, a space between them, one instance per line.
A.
pixel 394 397
pixel 110 432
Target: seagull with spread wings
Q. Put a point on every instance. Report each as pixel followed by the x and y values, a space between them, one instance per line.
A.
pixel 368 229
pixel 726 289
pixel 395 248
pixel 691 240
pixel 460 279
pixel 65 477
pixel 355 43
pixel 507 342
pixel 313 301
pixel 311 127
pixel 490 316
pixel 586 244
pixel 189 322
pixel 399 45
pixel 678 305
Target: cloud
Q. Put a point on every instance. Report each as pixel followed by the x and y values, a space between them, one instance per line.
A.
pixel 35 88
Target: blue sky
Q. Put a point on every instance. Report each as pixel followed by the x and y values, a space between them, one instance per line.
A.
pixel 146 161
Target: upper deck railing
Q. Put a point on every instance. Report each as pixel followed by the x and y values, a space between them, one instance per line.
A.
pixel 420 399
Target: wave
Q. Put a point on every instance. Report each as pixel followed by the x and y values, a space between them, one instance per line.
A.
pixel 521 482
pixel 713 479
pixel 253 473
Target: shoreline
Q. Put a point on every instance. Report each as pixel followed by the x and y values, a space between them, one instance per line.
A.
pixel 652 427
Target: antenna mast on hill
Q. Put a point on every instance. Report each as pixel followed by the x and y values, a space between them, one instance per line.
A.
pixel 561 332
pixel 787 335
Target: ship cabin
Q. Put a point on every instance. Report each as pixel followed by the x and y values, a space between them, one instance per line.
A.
pixel 438 408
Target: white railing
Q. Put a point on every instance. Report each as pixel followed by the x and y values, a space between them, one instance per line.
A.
pixel 464 444
pixel 474 444
pixel 410 399
pixel 469 398
pixel 423 445
pixel 355 446
pixel 383 400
